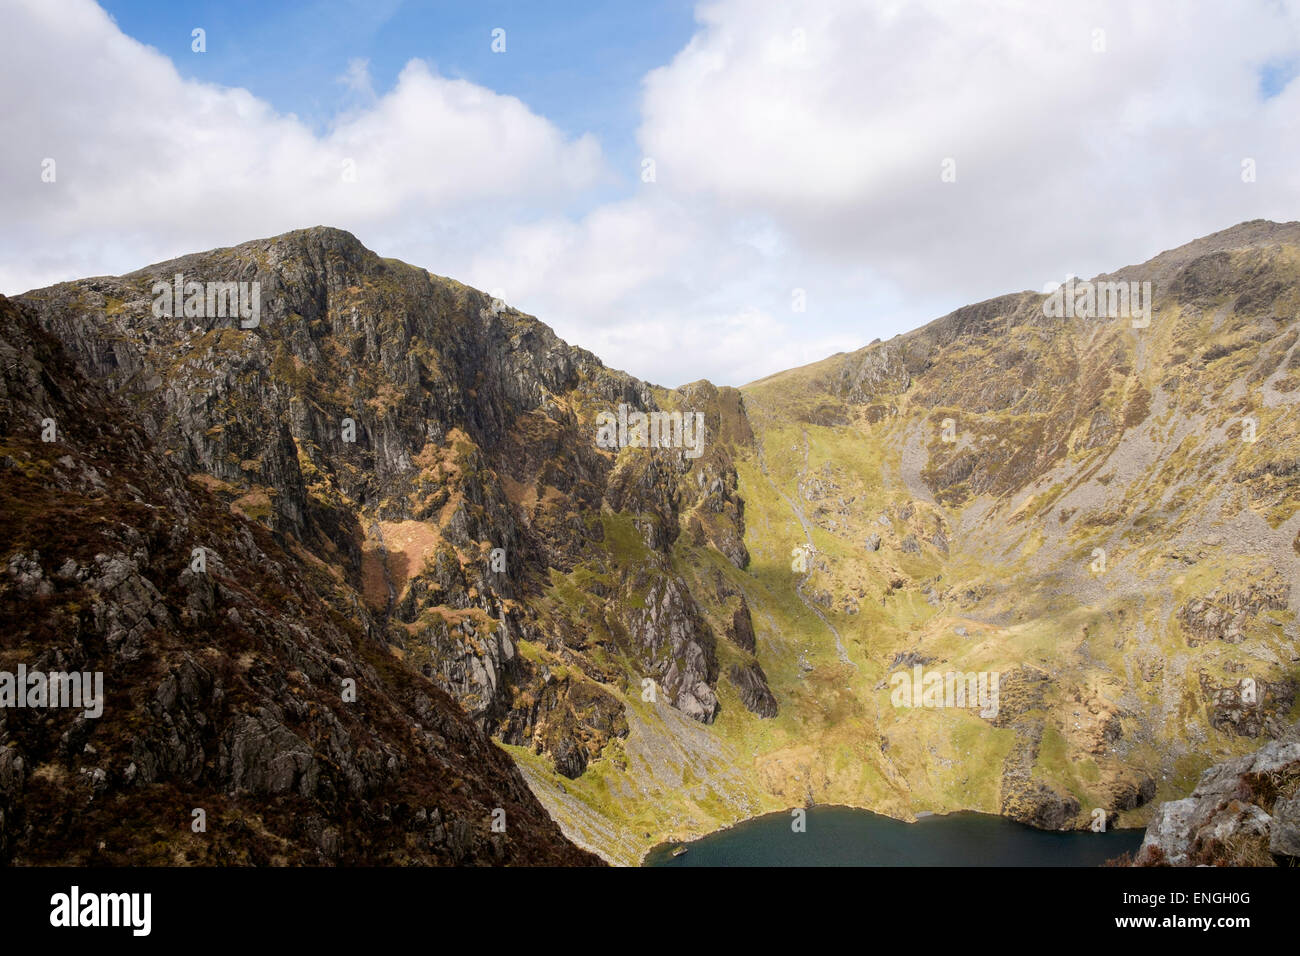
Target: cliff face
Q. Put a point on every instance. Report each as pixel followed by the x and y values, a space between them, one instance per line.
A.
pixel 1099 514
pixel 430 456
pixel 247 714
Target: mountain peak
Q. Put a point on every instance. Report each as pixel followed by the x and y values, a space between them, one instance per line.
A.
pixel 1160 269
pixel 1000 491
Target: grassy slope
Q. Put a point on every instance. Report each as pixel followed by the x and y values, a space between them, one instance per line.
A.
pixel 1181 506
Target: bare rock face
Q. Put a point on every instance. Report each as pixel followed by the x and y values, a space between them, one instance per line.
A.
pixel 676 646
pixel 1284 828
pixel 881 372
pixel 1256 709
pixel 397 482
pixel 742 627
pixel 751 682
pixel 1243 812
pixel 438 449
pixel 1226 613
pixel 238 678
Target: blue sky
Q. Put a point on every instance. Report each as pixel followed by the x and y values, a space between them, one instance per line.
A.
pixel 802 202
pixel 1275 75
pixel 579 64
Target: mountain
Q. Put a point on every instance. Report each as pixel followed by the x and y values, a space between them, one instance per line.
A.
pixel 1104 515
pixel 226 690
pixel 392 469
pixel 421 458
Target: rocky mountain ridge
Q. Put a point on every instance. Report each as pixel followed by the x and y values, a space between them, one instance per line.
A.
pixel 426 452
pixel 248 717
pixel 1100 510
pixel 1102 515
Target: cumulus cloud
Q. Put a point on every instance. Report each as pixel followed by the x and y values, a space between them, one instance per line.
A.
pixel 671 291
pixel 1067 127
pixel 160 165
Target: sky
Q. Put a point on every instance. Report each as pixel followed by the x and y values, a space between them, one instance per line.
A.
pixel 716 190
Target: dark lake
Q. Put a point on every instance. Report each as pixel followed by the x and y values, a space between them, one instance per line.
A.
pixel 841 836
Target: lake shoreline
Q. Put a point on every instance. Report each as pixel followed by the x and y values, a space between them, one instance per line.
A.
pixel 1014 831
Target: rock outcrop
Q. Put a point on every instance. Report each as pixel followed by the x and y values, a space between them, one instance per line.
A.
pixel 751 683
pixel 437 453
pixel 1243 812
pixel 249 714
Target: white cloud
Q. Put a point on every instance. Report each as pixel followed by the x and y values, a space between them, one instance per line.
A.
pixel 160 165
pixel 357 78
pixel 834 119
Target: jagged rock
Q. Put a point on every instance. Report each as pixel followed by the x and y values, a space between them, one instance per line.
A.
pixel 698 702
pixel 742 628
pixel 673 641
pixel 474 445
pixel 1284 828
pixel 1248 710
pixel 1226 612
pixel 1230 811
pixel 570 759
pixel 224 686
pixel 572 721
pixel 260 755
pixel 751 683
